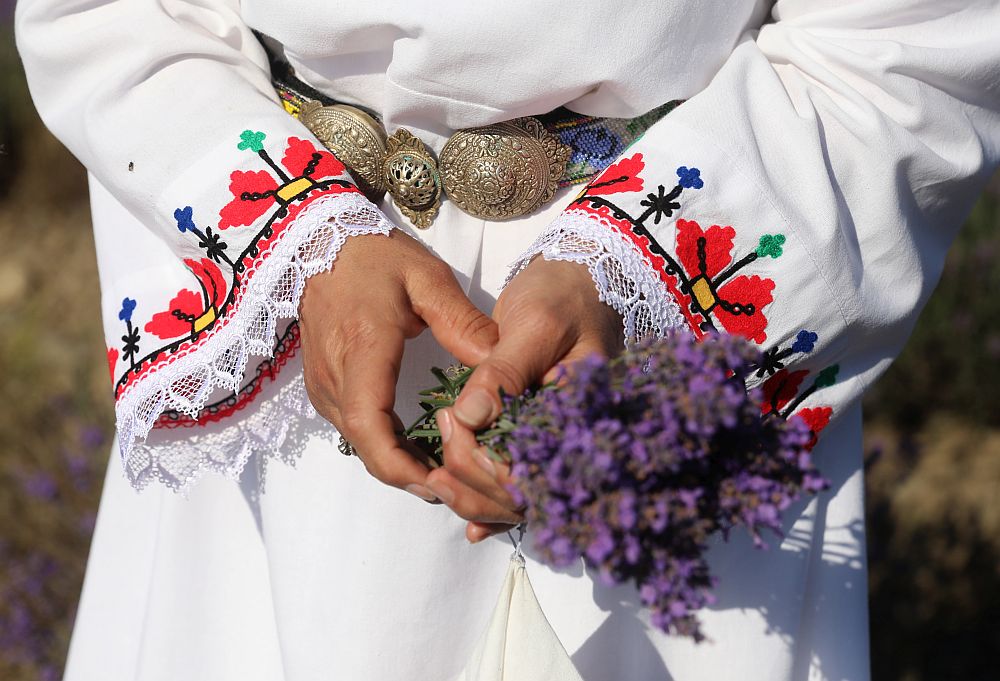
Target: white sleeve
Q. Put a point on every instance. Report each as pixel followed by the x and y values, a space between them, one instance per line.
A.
pixel 169 105
pixel 805 199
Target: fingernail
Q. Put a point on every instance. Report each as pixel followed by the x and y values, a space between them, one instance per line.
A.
pixel 421 491
pixel 442 492
pixel 475 409
pixel 485 462
pixel 444 424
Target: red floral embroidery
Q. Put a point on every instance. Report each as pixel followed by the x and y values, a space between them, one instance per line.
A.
pixel 622 176
pixel 748 290
pixel 736 301
pixel 298 155
pixel 257 191
pixel 704 276
pixel 189 310
pixel 242 211
pixel 817 418
pixel 718 247
pixel 112 362
pixel 781 389
pixel 274 196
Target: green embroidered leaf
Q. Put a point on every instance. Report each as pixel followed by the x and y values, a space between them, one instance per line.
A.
pixel 827 377
pixel 770 245
pixel 254 141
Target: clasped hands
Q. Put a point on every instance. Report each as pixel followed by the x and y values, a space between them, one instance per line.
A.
pixel 356 318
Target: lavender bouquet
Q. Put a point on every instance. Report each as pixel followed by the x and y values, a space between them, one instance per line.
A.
pixel 634 463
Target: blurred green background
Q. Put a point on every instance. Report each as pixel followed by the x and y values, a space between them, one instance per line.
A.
pixel 933 430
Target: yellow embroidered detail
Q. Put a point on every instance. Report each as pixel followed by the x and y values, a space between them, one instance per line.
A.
pixel 202 322
pixel 703 293
pixel 294 188
pixel 290 107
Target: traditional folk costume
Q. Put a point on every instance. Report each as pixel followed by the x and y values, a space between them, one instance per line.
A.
pixel 802 195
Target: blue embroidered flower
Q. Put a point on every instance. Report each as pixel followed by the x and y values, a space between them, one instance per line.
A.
pixel 805 341
pixel 690 178
pixel 128 306
pixel 185 219
pixel 254 141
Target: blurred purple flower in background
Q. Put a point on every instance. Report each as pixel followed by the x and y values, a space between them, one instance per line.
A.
pixel 53 500
pixel 39 485
pixel 27 605
pixel 92 437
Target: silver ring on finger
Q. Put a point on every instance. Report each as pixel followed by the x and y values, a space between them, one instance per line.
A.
pixel 346 448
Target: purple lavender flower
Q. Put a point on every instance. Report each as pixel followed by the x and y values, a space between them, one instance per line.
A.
pixel 92 437
pixel 26 607
pixel 48 673
pixel 40 485
pixel 633 464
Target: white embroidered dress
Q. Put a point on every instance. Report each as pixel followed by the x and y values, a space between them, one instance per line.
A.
pixel 803 196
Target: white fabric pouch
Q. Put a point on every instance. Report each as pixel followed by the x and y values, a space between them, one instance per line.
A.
pixel 519 644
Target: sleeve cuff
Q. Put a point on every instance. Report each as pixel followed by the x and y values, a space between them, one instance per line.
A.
pixel 270 289
pixel 624 277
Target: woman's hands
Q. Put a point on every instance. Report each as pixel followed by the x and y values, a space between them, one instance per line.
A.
pixel 384 290
pixel 354 322
pixel 549 314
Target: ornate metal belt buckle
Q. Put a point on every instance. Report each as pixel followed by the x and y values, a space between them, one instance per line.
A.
pixel 354 137
pixel 400 164
pixel 503 171
pixel 412 178
pixel 494 172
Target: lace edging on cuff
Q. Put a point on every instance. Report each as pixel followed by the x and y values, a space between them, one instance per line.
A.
pixel 273 291
pixel 179 464
pixel 624 278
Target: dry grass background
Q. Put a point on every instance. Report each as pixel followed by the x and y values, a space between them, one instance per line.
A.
pixel 933 432
pixel 56 415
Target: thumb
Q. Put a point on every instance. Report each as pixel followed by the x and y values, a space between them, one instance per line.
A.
pixel 459 326
pixel 519 360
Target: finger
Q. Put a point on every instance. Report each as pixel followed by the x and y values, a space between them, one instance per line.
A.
pixel 367 417
pixel 466 502
pixel 584 349
pixel 326 408
pixel 469 463
pixel 459 326
pixel 527 349
pixel 476 532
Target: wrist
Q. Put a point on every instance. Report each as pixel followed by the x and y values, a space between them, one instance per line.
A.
pixel 568 287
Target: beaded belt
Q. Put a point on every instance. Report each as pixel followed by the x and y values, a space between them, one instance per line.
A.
pixel 494 172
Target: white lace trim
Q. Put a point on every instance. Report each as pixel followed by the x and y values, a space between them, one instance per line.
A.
pixel 179 464
pixel 309 246
pixel 624 277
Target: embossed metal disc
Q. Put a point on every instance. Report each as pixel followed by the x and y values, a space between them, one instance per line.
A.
pixel 502 171
pixel 355 138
